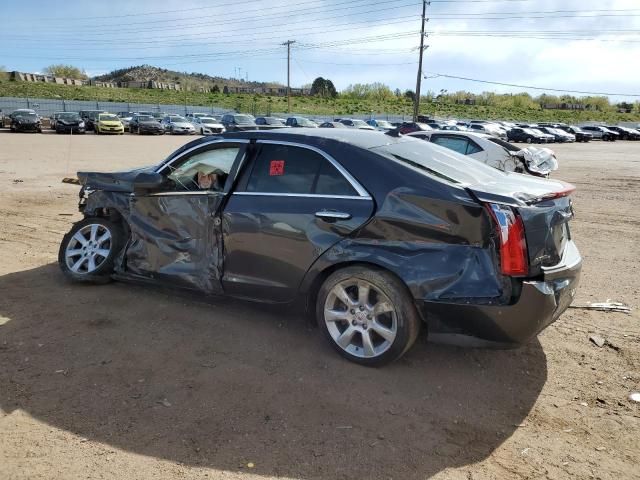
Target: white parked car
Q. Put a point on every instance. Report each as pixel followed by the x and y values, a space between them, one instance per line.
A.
pixel 489 129
pixel 208 125
pixel 494 151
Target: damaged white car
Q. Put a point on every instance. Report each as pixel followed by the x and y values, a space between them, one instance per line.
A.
pixel 494 151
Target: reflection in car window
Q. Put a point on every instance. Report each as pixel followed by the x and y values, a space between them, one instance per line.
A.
pixel 456 144
pixel 472 148
pixel 294 170
pixel 217 161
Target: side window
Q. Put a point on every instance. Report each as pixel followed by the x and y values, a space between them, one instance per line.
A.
pixel 332 182
pixel 286 169
pixel 456 144
pixel 206 170
pixel 472 148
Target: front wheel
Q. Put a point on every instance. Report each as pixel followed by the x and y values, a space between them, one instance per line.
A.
pixel 528 140
pixel 367 315
pixel 87 253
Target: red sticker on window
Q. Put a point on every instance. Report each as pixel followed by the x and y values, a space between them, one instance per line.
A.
pixel 276 168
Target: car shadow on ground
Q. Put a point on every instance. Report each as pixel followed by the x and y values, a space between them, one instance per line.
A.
pixel 223 383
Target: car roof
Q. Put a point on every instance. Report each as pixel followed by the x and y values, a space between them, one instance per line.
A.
pixel 360 138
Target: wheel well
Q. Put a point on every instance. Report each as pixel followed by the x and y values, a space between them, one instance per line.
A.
pixel 111 214
pixel 312 293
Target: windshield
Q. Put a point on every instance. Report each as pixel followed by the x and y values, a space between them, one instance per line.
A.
pixel 575 129
pixel 243 119
pixel 145 118
pixel 531 131
pixel 208 120
pixel 384 124
pixel 177 119
pixel 439 162
pixel 360 123
pixel 68 116
pixel 108 118
pixel 507 146
pixel 26 115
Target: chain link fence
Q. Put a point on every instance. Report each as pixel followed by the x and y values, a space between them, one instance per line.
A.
pixel 45 107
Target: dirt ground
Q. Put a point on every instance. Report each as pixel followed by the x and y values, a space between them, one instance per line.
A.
pixel 126 382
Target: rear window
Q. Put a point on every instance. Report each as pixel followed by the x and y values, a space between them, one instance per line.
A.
pixel 509 147
pixel 439 162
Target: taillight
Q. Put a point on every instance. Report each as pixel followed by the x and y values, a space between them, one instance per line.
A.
pixel 513 245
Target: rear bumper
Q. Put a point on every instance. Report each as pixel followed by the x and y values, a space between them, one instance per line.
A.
pixel 539 304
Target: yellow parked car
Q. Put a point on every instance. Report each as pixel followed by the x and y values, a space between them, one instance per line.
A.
pixel 109 123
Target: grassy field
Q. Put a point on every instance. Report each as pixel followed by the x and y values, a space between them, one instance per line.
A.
pixel 342 105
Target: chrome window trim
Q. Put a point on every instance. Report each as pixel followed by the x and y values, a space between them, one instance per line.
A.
pixel 171 194
pixel 303 195
pixel 354 183
pixel 196 147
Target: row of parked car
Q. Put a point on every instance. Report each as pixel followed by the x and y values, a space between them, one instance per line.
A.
pixel 531 132
pixel 159 123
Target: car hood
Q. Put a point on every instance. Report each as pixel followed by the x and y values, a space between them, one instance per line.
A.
pixel 69 122
pixel 112 181
pixel 212 125
pixel 150 123
pixel 27 120
pixel 110 123
pixel 181 124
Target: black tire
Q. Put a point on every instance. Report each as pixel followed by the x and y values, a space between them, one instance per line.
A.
pixel 407 320
pixel 101 274
pixel 528 140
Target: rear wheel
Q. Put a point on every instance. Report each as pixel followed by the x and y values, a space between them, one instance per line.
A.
pixel 367 315
pixel 87 253
pixel 528 140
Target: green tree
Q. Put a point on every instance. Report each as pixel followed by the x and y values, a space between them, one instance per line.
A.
pixel 410 94
pixel 323 87
pixel 67 71
pixel 215 89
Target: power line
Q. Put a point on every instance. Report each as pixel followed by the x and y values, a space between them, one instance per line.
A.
pixel 544 37
pixel 533 88
pixel 541 12
pixel 347 41
pixel 531 17
pixel 244 19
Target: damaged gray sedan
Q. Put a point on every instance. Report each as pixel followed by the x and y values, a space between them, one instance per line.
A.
pixel 378 236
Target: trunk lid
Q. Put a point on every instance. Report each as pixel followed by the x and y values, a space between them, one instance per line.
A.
pixel 545 209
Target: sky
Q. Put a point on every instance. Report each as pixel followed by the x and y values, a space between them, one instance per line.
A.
pixel 583 45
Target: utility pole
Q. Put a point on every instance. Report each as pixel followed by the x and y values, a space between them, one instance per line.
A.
pixel 416 107
pixel 288 43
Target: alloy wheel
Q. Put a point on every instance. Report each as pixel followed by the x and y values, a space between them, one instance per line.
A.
pixel 88 249
pixel 360 318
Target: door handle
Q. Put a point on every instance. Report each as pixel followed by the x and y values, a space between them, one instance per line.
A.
pixel 332 215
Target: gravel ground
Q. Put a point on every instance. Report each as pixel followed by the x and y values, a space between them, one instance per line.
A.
pixel 121 381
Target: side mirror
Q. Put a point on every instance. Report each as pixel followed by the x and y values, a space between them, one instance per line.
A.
pixel 148 181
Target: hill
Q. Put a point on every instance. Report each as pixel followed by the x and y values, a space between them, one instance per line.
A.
pixel 193 81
